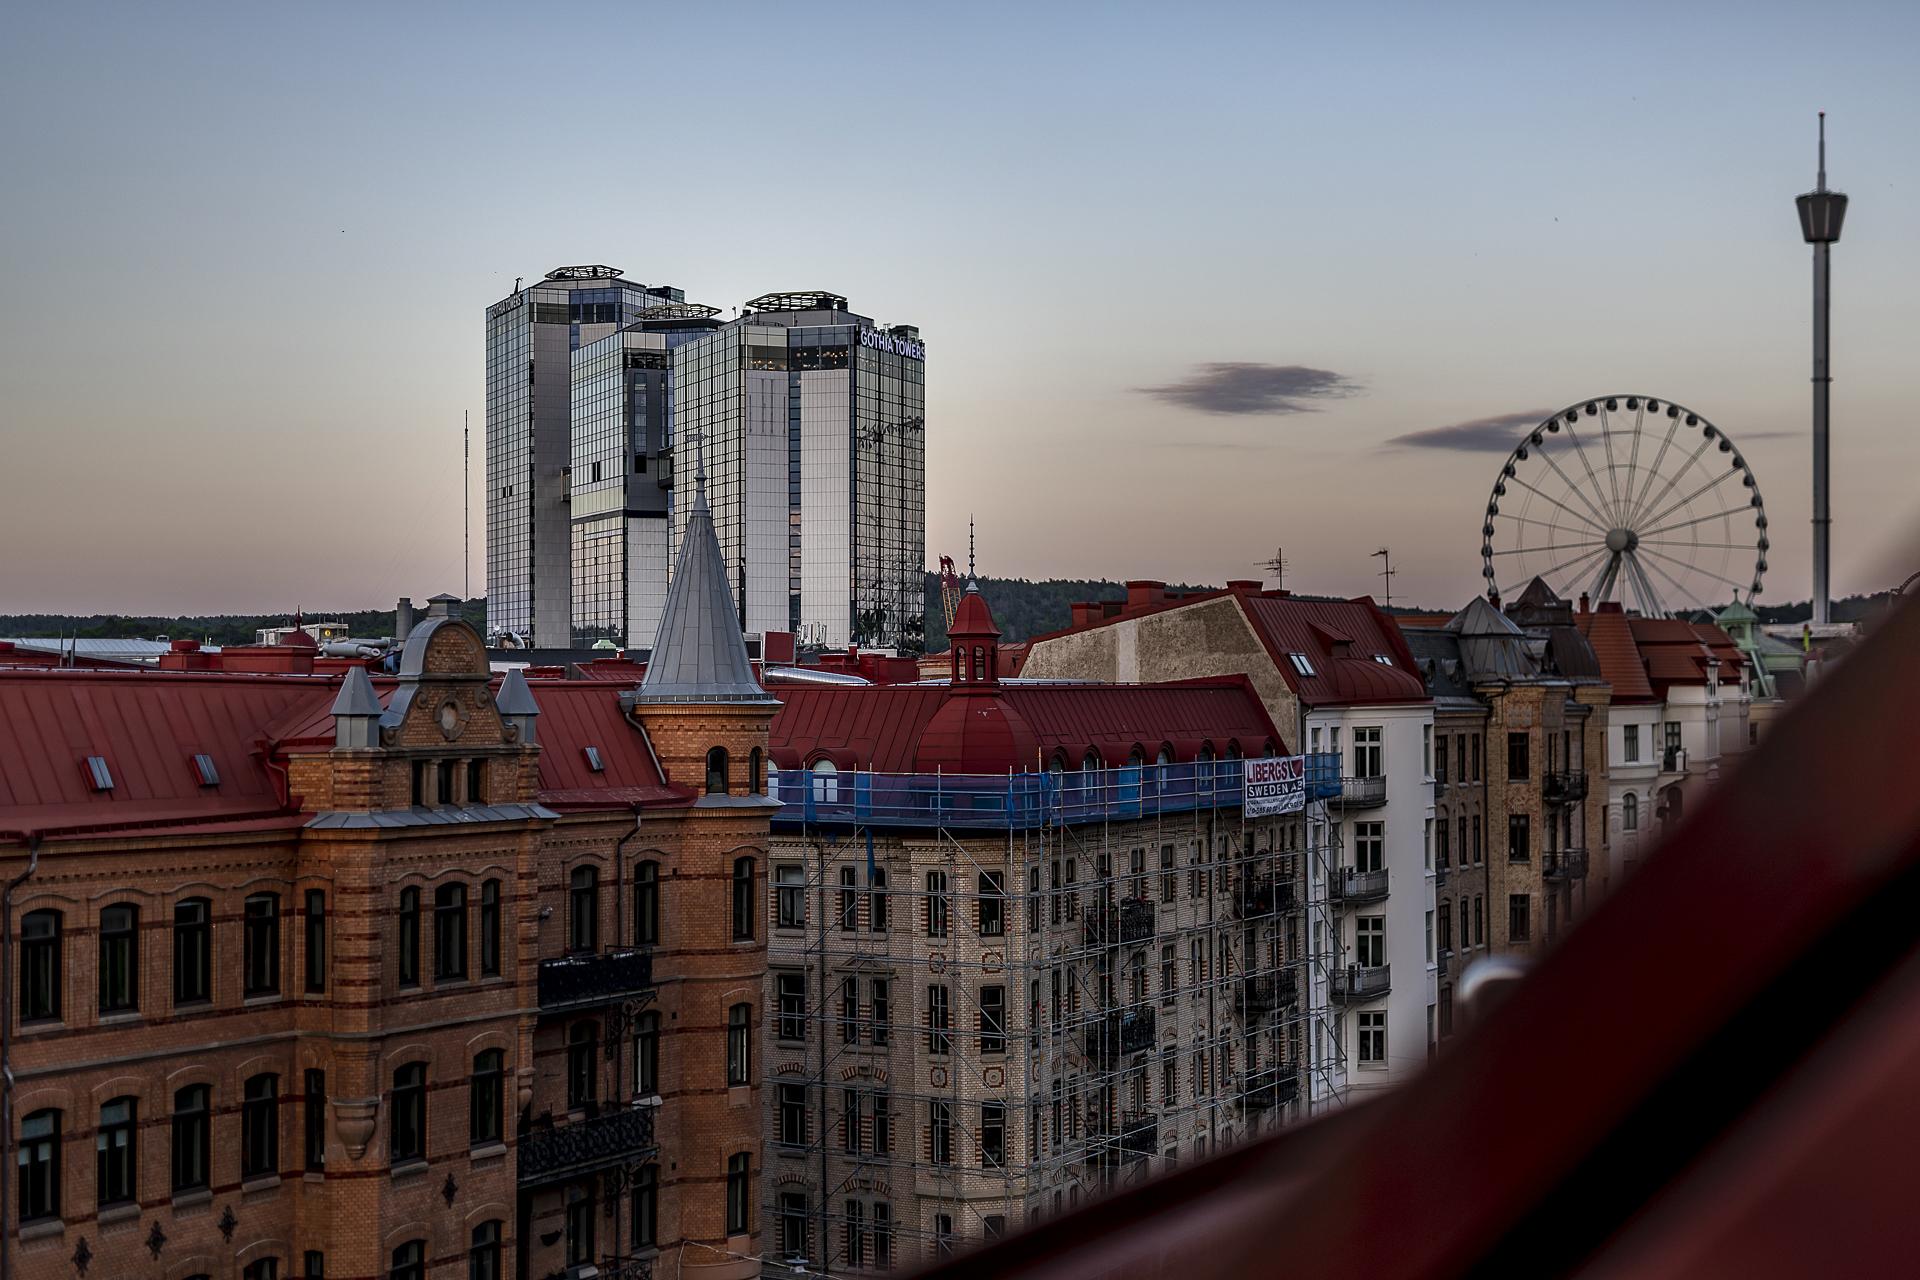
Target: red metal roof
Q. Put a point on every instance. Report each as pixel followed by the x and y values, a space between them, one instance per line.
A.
pixel 884 727
pixel 147 726
pixel 575 715
pixel 1610 635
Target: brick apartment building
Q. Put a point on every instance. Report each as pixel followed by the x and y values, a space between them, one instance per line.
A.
pixel 312 971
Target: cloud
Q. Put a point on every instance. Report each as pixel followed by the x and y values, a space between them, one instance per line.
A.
pixel 1254 389
pixel 1495 434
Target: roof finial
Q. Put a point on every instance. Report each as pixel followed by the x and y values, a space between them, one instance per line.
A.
pixel 970 546
pixel 1822 184
pixel 698 439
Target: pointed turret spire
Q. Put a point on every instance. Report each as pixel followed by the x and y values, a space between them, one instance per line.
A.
pixel 699 654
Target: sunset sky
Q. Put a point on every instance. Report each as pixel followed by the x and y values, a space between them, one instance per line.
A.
pixel 1183 271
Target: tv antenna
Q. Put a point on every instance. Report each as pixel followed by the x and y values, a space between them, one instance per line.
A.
pixel 1386 558
pixel 1277 568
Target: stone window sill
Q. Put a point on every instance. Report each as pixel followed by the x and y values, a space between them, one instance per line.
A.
pixel 192 1199
pixel 113 1213
pixel 409 1168
pixel 260 1185
pixel 42 1230
pixel 487 1151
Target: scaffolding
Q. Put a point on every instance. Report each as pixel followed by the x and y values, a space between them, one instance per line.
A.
pixel 991 998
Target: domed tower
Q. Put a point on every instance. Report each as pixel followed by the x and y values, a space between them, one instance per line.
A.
pixel 975 730
pixel 707 719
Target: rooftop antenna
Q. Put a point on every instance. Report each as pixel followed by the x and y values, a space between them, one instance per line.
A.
pixel 466 508
pixel 1821 213
pixel 1387 573
pixel 1277 568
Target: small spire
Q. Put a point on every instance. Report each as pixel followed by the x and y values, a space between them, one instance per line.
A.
pixel 970 572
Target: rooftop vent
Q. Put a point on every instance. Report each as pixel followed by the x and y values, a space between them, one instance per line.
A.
pixel 98 775
pixel 593 759
pixel 204 769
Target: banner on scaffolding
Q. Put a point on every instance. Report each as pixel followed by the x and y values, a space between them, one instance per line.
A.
pixel 1275 784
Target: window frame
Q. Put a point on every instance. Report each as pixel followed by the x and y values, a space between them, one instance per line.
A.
pixel 123 995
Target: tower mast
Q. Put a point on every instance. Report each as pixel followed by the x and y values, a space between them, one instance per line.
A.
pixel 1821 213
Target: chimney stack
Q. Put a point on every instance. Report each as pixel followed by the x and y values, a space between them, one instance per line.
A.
pixel 402 621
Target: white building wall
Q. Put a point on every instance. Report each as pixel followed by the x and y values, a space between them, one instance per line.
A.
pixel 826 508
pixel 1637 777
pixel 764 501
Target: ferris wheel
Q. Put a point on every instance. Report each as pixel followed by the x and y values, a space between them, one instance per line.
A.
pixel 1627 498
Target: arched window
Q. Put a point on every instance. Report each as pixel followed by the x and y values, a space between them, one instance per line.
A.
pixel 646 904
pixel 1090 762
pixel 490 929
pixel 826 782
pixel 407 1136
pixel 260 1126
pixel 583 909
pixel 262 950
pixel 981 672
pixel 192 951
pixel 755 784
pixel 743 899
pixel 450 932
pixel 740 1044
pixel 718 780
pixel 1630 812
pixel 410 1261
pixel 583 1045
pixel 192 1136
pixel 40 965
pixel 38 1157
pixel 119 958
pixel 486 1096
pixel 115 1160
pixel 407 962
pixel 483 1259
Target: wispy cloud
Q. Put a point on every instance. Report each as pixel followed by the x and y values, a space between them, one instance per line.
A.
pixel 1254 389
pixel 1496 433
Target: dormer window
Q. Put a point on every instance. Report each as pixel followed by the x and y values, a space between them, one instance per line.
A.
pixel 99 777
pixel 204 769
pixel 1300 663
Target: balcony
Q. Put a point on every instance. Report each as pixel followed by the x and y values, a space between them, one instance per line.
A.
pixel 1115 923
pixel 1358 982
pixel 1443 961
pixel 1266 992
pixel 600 977
pixel 1564 864
pixel 1564 787
pixel 1360 793
pixel 1120 1033
pixel 1323 775
pixel 1136 1137
pixel 1346 885
pixel 1441 871
pixel 555 1153
pixel 1673 760
pixel 1264 896
pixel 1268 1089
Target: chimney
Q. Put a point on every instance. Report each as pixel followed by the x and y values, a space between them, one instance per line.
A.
pixel 402 621
pixel 1083 613
pixel 443 606
pixel 1144 592
pixel 1584 607
pixel 1243 586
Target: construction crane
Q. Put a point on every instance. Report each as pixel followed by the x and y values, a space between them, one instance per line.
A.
pixel 949 588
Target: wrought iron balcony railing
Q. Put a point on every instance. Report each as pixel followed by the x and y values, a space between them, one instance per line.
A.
pixel 606 1141
pixel 599 977
pixel 1564 787
pixel 1361 793
pixel 1347 885
pixel 1135 1137
pixel 1264 896
pixel 1359 982
pixel 1265 992
pixel 1128 920
pixel 1270 1088
pixel 1564 864
pixel 1120 1033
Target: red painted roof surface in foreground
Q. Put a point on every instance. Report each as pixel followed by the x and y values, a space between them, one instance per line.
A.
pixel 1670 1093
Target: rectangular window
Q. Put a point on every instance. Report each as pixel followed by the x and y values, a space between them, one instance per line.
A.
pixel 1370 940
pixel 790 889
pixel 993 1134
pixel 1442 847
pixel 1426 751
pixel 1476 757
pixel 314 1112
pixel 260 1127
pixel 490 929
pixel 993 1019
pixel 119 959
pixel 1519 837
pixel 1440 765
pixel 791 1127
pixel 192 1137
pixel 939 1020
pixel 38 1157
pixel 1168 981
pixel 849 901
pixel 740 1045
pixel 793 1224
pixel 1373 1039
pixel 1479 921
pixel 739 1193
pixel 850 1121
pixel 1631 743
pixel 882 1125
pixel 877 900
pixel 882 1236
pixel 791 992
pixel 855 1229
pixel 993 918
pixel 262 944
pixel 115 1158
pixel 1518 766
pixel 938 906
pixel 1520 917
pixel 1367 762
pixel 850 1011
pixel 450 933
pixel 882 1012
pixel 316 920
pixel 939 1133
pixel 1369 846
pixel 192 951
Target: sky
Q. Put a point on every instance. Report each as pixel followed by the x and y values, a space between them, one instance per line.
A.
pixel 1185 272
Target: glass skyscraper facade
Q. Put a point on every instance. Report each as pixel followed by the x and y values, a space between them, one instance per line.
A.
pixel 813 425
pixel 531 335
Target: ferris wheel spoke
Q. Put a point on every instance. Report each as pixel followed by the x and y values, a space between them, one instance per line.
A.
pixel 1650 603
pixel 1669 528
pixel 1708 487
pixel 1558 530
pixel 1633 459
pixel 1600 520
pixel 1581 449
pixel 1549 574
pixel 1633 517
pixel 1605 577
pixel 1561 546
pixel 1558 505
pixel 1653 472
pixel 1693 568
pixel 1613 463
pixel 1685 595
pixel 1706 546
